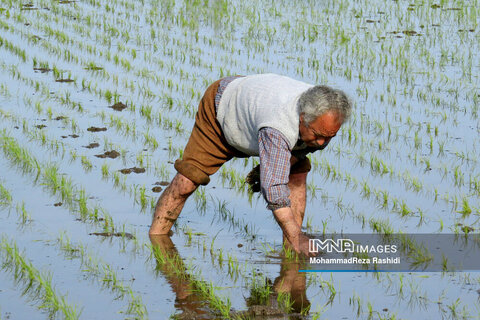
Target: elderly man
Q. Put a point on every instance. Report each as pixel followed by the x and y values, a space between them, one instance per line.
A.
pixel 272 116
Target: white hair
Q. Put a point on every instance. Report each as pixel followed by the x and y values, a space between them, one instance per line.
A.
pixel 320 99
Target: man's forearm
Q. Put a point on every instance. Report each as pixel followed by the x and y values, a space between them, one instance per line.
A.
pixel 291 230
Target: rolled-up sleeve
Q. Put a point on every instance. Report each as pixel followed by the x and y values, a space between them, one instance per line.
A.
pixel 274 167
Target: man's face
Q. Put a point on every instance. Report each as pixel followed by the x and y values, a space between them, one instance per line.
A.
pixel 321 130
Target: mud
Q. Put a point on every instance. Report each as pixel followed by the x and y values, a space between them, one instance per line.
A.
pixel 119 106
pixel 92 145
pixel 64 80
pixel 94 68
pixel 161 183
pixel 96 129
pixel 42 70
pixel 260 312
pixel 108 154
pixel 157 189
pixel 133 169
pixel 127 235
pixel 40 126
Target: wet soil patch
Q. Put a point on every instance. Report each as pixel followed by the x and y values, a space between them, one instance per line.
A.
pixel 96 129
pixel 60 118
pixel 134 170
pixel 157 189
pixel 66 1
pixel 119 106
pixel 58 204
pixel 465 228
pixel 93 68
pixel 161 183
pixel 410 33
pixel 64 80
pixel 74 136
pixel 42 70
pixel 261 312
pixel 127 235
pixel 405 32
pixel 28 6
pixel 108 154
pixel 92 145
pixel 40 126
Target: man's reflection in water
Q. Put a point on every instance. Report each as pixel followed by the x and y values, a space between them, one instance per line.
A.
pixel 293 282
pixel 173 269
pixel 290 281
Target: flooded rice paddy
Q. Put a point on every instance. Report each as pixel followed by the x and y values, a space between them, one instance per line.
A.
pixel 97 99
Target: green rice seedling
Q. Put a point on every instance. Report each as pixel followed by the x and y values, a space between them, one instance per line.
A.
pixel 285 302
pixel 466 209
pixel 356 302
pixel 5 196
pixel 105 170
pixel 260 290
pixel 37 285
pixel 22 212
pixel 87 165
pixel 104 273
pixel 201 199
pixel 324 227
pixel 312 188
pixel 404 210
pixel 332 292
pixel 369 310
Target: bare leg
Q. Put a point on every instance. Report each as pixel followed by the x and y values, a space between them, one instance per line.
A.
pixel 298 196
pixel 170 204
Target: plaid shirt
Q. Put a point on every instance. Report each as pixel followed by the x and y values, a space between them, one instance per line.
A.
pixel 274 167
pixel 274 159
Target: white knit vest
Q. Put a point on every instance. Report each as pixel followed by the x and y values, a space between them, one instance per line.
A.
pixel 253 102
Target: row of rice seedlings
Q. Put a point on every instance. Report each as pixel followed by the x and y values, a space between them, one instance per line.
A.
pixel 37 285
pixel 5 196
pixel 381 196
pixel 171 265
pixel 379 166
pixel 120 123
pixel 138 193
pixel 407 290
pixel 74 197
pixel 228 264
pixel 105 275
pixel 94 267
pixel 83 81
pixel 248 230
pixel 6 201
pixel 42 133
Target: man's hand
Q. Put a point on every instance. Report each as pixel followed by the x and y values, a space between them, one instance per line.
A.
pixel 292 231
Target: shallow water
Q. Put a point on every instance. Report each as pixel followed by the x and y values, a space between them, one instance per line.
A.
pixel 412 137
